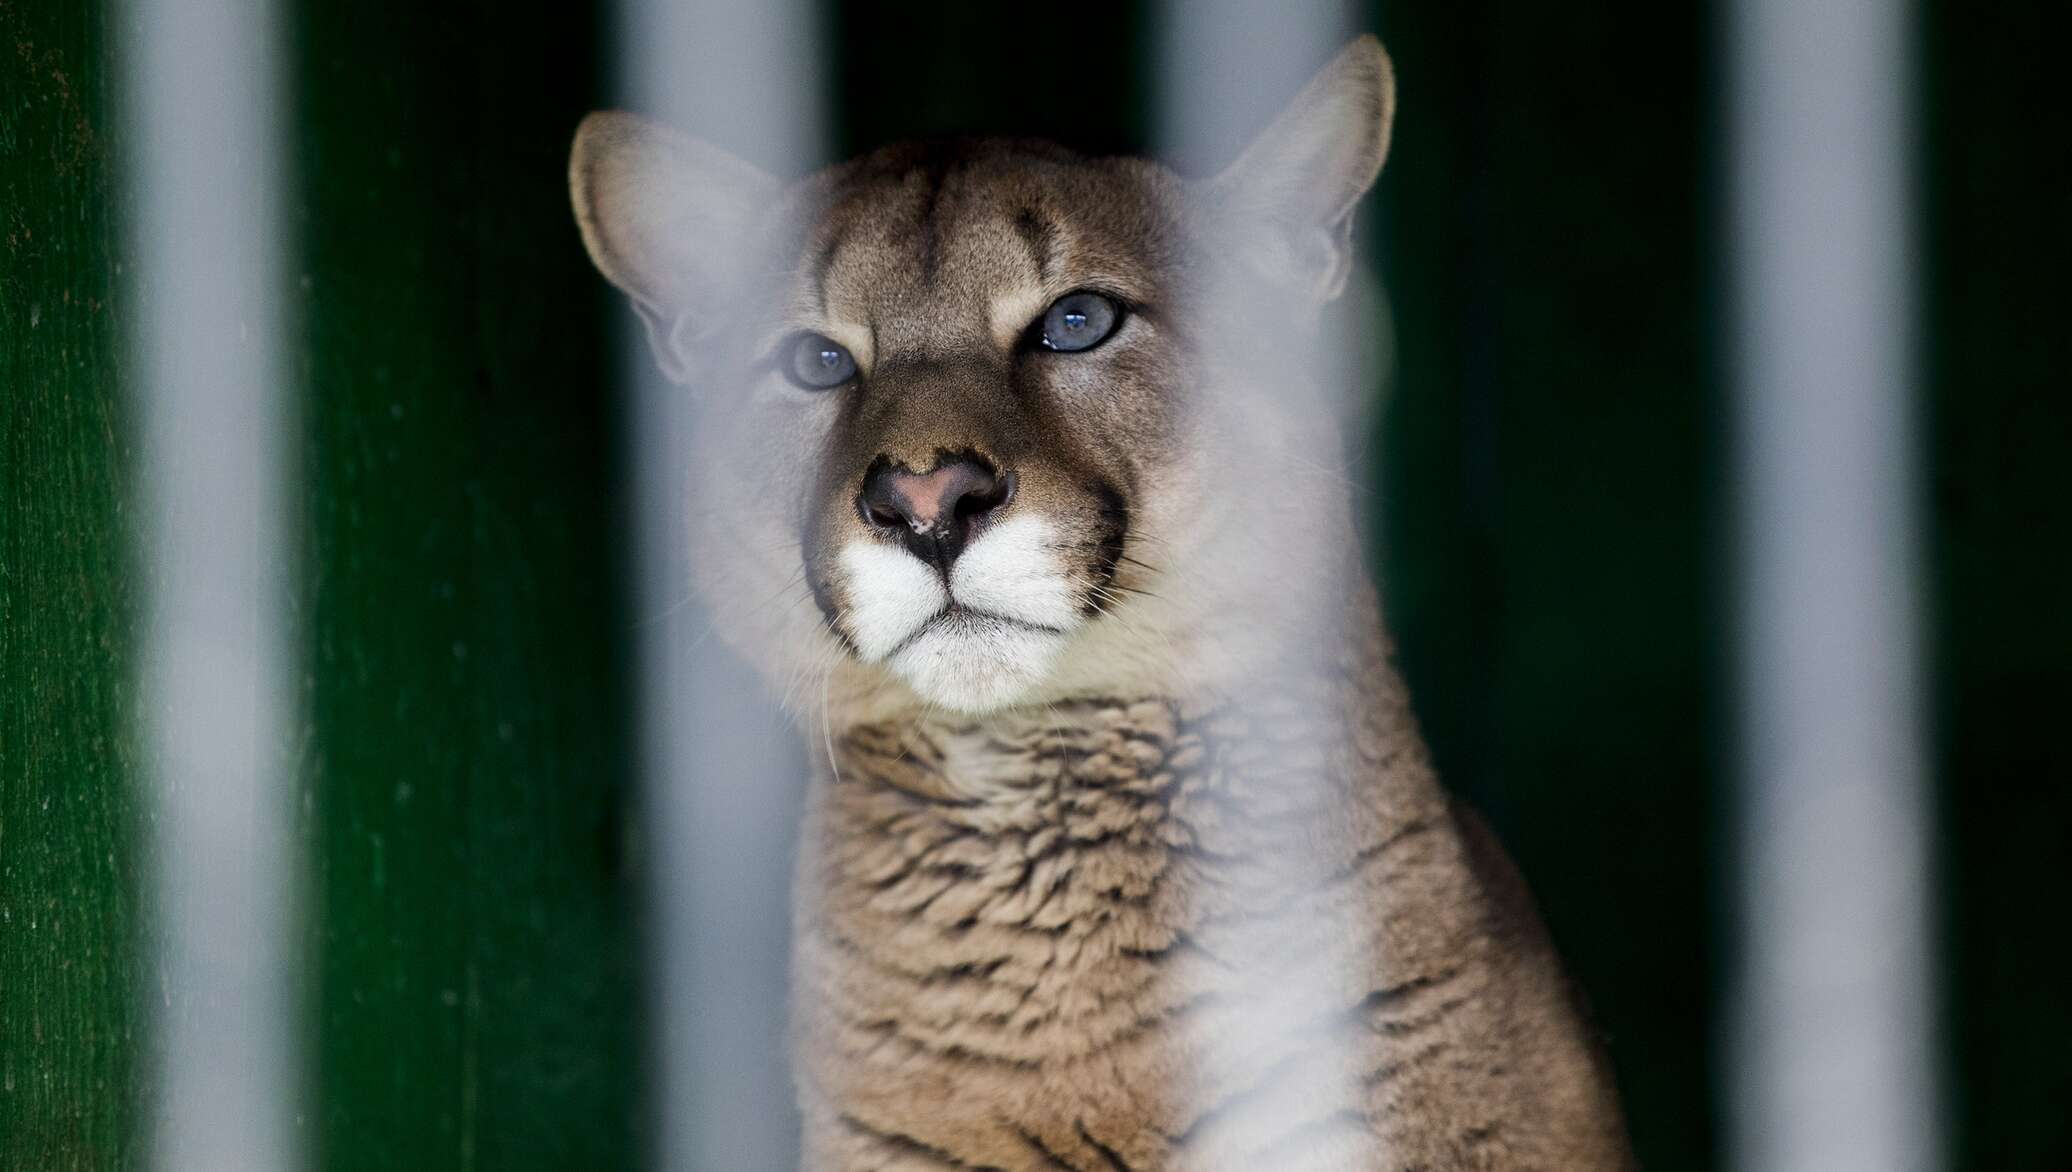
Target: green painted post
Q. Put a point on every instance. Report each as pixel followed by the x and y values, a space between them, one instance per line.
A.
pixel 1546 461
pixel 69 984
pixel 468 763
pixel 1997 437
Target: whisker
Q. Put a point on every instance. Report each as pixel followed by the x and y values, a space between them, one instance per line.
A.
pixel 642 624
pixel 827 731
pixel 1342 477
pixel 1138 591
pixel 797 579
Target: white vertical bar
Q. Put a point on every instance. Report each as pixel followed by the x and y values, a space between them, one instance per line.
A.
pixel 204 166
pixel 1225 68
pixel 1834 1002
pixel 724 772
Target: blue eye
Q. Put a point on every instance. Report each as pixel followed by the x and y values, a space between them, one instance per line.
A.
pixel 819 363
pixel 1078 321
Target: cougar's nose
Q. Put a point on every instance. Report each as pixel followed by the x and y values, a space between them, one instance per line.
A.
pixel 936 512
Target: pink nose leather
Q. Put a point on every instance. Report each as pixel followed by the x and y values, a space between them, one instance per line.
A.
pixel 923 496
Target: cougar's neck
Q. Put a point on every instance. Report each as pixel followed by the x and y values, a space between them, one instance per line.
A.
pixel 972 880
pixel 1307 728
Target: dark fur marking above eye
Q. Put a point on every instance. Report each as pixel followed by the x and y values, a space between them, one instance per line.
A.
pixel 1041 237
pixel 823 266
pixel 936 175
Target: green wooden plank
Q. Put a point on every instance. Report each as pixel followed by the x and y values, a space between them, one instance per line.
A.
pixel 1547 497
pixel 1997 440
pixel 68 897
pixel 939 68
pixel 468 762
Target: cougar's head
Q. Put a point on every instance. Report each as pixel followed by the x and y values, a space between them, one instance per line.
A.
pixel 970 428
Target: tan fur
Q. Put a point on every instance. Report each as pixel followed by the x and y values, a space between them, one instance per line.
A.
pixel 1007 926
pixel 1028 919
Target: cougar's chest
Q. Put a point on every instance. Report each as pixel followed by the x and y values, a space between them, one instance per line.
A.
pixel 1005 896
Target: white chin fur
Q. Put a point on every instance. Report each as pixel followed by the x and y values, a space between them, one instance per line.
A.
pixel 891 593
pixel 974 663
pixel 969 662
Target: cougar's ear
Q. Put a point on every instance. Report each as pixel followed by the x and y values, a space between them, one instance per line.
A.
pixel 664 216
pixel 1293 190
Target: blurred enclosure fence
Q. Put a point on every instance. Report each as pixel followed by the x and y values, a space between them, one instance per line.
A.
pixel 1834 1038
pixel 744 77
pixel 215 682
pixel 371 797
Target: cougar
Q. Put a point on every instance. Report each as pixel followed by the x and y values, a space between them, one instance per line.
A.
pixel 1122 848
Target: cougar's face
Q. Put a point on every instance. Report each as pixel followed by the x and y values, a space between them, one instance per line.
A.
pixel 951 418
pixel 967 432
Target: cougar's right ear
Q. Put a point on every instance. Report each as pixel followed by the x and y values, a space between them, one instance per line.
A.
pixel 1296 185
pixel 664 216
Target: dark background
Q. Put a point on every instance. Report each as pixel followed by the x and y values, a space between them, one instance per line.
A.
pixel 1548 504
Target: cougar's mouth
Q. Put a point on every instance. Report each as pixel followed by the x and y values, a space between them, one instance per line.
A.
pixel 959 620
pixel 977 637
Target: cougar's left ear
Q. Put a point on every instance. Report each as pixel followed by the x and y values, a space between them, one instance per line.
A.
pixel 665 217
pixel 1293 190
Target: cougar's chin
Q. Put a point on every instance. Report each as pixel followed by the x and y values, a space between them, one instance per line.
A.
pixel 970 661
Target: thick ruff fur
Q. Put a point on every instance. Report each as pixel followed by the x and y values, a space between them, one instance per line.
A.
pixel 1015 932
pixel 1112 762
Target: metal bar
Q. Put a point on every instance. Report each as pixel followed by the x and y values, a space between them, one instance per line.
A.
pixel 217 685
pixel 1203 117
pixel 723 771
pixel 1833 1010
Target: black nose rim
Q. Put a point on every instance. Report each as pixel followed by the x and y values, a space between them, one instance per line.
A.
pixel 934 514
pixel 980 504
pixel 877 515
